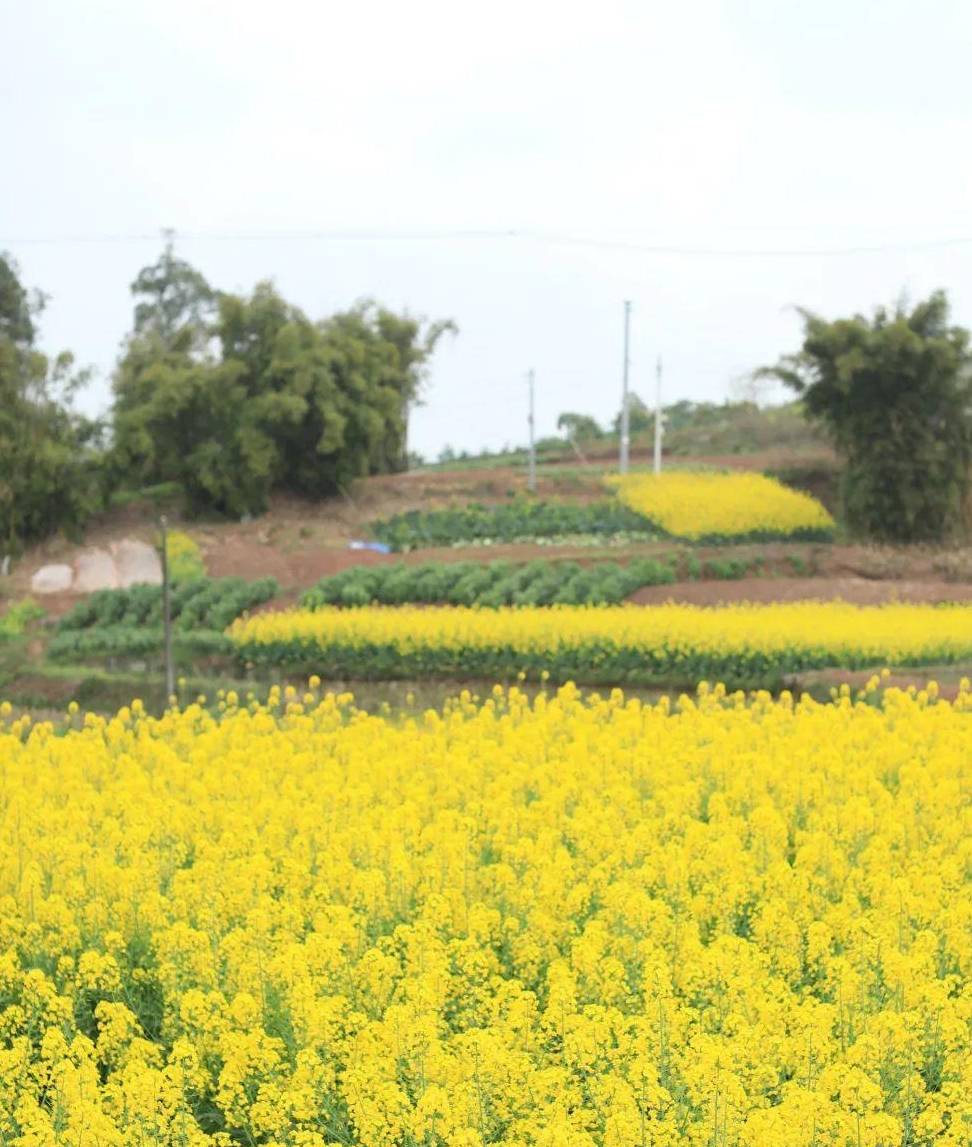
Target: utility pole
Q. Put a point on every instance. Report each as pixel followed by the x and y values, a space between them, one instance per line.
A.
pixel 532 473
pixel 167 611
pixel 625 431
pixel 659 416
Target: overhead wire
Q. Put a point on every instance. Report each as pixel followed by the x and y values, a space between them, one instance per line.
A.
pixel 556 238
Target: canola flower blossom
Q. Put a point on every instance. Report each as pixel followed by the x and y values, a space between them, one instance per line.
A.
pixel 574 921
pixel 704 506
pixel 612 643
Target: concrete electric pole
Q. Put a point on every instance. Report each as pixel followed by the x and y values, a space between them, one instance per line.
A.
pixel 625 426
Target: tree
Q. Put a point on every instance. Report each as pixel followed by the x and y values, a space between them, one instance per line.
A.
pixel 261 399
pixel 50 458
pixel 579 427
pixel 893 391
pixel 173 297
pixel 414 344
pixel 640 418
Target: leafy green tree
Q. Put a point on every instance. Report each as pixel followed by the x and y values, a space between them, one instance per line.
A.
pixel 579 427
pixel 172 297
pixel 894 391
pixel 414 343
pixel 50 458
pixel 640 418
pixel 262 399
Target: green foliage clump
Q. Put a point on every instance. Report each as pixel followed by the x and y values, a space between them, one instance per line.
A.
pixel 730 569
pixel 538 582
pixel 18 617
pixel 51 473
pixel 184 557
pixel 132 641
pixel 894 392
pixel 518 520
pixel 128 622
pixel 236 397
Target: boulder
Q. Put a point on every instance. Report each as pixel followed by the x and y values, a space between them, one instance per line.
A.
pixel 52 579
pixel 136 563
pixel 93 570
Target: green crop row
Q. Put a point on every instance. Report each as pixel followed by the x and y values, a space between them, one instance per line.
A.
pixel 203 603
pixel 537 582
pixel 519 520
pixel 592 664
pixel 133 641
pixel 491 584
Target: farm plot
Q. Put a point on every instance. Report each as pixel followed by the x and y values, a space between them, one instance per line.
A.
pixel 698 507
pixel 610 644
pixel 128 622
pixel 596 923
pixel 521 520
pixel 713 507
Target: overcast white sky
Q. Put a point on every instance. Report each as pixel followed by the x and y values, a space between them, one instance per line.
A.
pixel 767 125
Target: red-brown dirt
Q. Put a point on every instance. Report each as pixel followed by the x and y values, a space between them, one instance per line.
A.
pixel 299 542
pixel 854 590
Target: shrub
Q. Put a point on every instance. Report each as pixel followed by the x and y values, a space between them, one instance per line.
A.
pixel 184 557
pixel 19 615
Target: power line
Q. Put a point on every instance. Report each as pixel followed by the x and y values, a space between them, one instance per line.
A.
pixel 550 238
pixel 762 253
pixel 348 235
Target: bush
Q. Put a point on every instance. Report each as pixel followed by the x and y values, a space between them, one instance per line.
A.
pixel 184 557
pixel 18 617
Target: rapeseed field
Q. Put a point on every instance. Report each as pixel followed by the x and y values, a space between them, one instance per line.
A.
pixel 607 643
pixel 572 921
pixel 704 505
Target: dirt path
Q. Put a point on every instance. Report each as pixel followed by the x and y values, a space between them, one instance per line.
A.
pixel 819 682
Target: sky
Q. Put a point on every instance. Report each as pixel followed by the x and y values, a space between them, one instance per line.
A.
pixel 520 167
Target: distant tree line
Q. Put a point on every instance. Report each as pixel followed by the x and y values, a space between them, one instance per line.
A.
pixel 891 391
pixel 231 397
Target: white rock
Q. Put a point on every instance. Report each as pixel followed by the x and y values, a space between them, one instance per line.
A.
pixel 136 563
pixel 52 579
pixel 94 570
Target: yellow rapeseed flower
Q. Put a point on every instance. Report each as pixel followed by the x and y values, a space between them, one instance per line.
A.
pixel 701 505
pixel 589 921
pixel 609 642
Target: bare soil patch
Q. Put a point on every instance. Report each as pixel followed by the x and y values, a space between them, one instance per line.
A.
pixel 946 677
pixel 760 590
